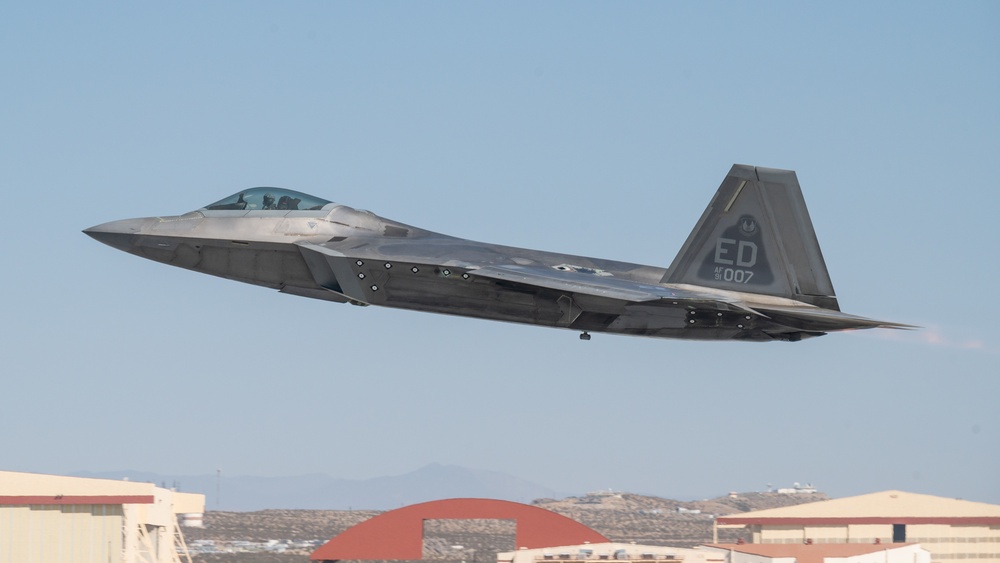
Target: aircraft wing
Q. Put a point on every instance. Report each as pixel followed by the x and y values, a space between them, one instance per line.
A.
pixel 335 271
pixel 806 317
pixel 604 286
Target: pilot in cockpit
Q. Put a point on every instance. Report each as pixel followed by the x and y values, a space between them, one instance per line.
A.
pixel 288 202
pixel 269 202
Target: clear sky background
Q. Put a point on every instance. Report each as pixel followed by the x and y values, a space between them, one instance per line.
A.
pixel 600 129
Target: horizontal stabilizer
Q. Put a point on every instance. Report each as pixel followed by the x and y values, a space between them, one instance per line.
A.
pixel 812 318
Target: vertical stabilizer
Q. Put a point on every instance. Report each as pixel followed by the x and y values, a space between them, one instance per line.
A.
pixel 756 236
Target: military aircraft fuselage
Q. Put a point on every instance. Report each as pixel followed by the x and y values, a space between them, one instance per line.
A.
pixel 333 252
pixel 390 263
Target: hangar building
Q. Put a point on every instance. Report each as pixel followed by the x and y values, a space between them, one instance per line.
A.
pixel 49 518
pixel 819 553
pixel 949 529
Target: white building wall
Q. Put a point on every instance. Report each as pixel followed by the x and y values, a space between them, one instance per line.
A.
pixel 891 554
pixel 868 533
pixel 951 543
pixel 605 553
pixel 825 534
pixel 779 534
pixel 904 554
pixel 89 533
pixel 946 543
pixel 737 557
pixel 58 534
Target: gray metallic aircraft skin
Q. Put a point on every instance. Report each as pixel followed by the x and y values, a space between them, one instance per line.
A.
pixel 750 270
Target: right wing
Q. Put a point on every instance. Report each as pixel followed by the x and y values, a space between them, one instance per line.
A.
pixel 804 317
pixel 606 286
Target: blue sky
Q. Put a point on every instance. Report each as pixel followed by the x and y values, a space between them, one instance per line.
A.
pixel 600 129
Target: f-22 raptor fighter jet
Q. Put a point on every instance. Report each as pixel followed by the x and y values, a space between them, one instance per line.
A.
pixel 750 270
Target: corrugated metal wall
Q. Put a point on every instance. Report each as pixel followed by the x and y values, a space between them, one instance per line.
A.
pixel 61 533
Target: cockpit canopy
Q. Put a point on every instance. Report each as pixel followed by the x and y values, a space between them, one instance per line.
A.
pixel 266 199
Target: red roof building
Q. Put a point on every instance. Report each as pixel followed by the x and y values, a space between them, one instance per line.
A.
pixel 399 534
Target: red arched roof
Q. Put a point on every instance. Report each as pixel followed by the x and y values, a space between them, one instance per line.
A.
pixel 399 534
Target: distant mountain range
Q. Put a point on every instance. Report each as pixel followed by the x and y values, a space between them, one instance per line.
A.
pixel 322 492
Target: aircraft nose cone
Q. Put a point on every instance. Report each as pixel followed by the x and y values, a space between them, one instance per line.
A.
pixel 117 234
